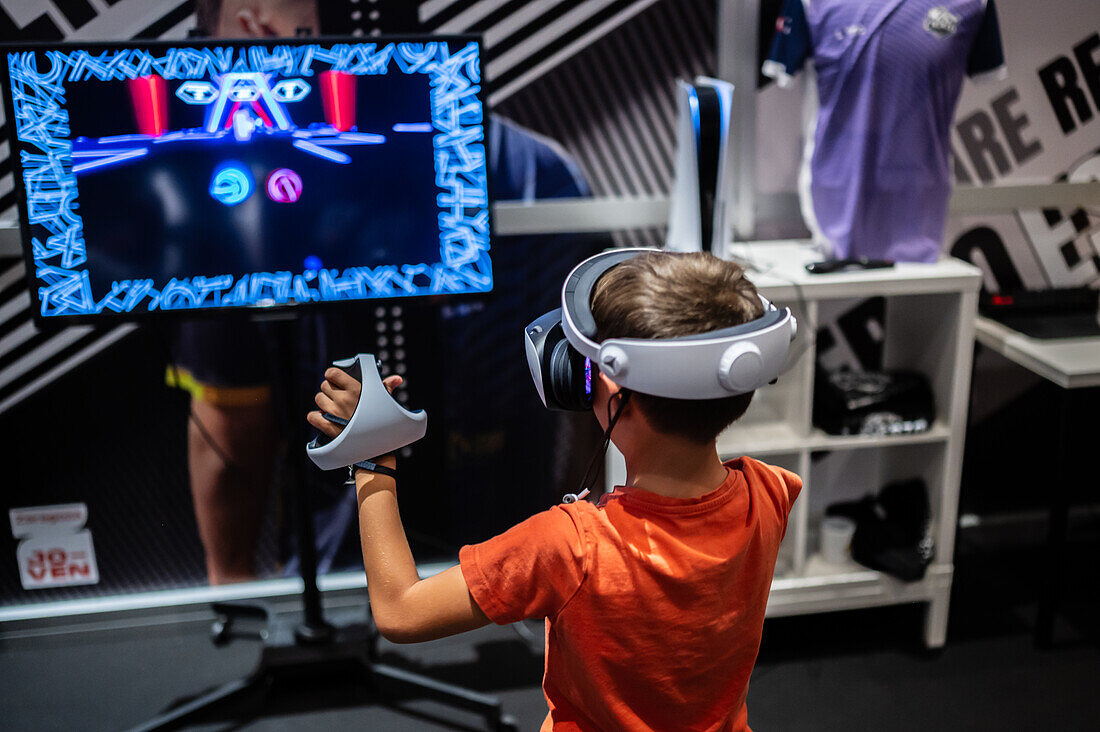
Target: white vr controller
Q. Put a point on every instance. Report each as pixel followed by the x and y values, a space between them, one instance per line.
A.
pixel 379 425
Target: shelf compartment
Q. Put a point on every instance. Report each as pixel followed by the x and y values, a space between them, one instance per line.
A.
pixel 821 440
pixel 775 437
pixel 822 587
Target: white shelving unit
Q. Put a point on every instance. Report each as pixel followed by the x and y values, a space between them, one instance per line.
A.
pixel 929 327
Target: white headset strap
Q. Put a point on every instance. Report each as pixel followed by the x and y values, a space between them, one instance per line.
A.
pixel 591 349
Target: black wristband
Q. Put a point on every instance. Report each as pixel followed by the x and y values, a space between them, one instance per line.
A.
pixel 372 467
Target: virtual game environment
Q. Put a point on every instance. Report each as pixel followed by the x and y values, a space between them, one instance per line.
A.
pixel 196 177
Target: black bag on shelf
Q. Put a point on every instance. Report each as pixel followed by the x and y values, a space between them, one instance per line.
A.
pixel 873 402
pixel 893 530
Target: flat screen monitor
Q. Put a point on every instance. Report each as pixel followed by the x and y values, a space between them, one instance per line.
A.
pixel 180 177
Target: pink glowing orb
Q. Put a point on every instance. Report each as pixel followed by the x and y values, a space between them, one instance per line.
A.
pixel 284 186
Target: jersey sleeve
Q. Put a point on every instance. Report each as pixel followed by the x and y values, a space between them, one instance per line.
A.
pixel 530 571
pixel 791 44
pixel 986 61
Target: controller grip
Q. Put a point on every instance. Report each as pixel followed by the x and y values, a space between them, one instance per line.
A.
pixel 379 425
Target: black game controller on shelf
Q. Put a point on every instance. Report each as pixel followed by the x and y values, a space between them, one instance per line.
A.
pixel 829 266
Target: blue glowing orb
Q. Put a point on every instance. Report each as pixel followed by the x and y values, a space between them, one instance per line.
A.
pixel 231 185
pixel 312 262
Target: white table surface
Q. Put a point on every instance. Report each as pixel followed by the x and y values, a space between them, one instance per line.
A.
pixel 1071 363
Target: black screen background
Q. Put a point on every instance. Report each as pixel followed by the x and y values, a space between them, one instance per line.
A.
pixel 153 217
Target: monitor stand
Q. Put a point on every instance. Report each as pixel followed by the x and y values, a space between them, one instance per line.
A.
pixel 297 654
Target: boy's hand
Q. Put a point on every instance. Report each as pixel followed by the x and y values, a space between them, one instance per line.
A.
pixel 339 396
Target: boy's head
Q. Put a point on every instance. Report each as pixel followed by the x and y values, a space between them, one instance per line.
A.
pixel 666 295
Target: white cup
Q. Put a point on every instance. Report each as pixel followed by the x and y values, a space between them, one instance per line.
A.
pixel 836 539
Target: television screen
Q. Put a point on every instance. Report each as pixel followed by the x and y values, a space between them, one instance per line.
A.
pixel 165 177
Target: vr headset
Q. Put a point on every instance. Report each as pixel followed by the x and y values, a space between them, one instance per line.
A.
pixel 564 357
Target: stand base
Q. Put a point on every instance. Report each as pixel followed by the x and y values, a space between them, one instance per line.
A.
pixel 291 657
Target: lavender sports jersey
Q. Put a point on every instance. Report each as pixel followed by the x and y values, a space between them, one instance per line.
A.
pixel 889 74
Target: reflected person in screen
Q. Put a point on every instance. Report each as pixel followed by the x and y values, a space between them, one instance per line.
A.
pixel 231 440
pixel 225 363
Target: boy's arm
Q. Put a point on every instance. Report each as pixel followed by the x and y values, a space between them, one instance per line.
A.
pixel 406 608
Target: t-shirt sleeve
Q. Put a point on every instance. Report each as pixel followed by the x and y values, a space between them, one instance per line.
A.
pixel 530 571
pixel 986 61
pixel 791 44
pixel 792 484
pixel 784 487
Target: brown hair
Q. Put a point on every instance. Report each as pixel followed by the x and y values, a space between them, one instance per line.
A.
pixel 665 295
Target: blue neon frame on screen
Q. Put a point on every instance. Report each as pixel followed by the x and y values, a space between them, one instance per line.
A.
pixel 177 178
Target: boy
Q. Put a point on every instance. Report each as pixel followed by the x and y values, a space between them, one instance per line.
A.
pixel 654 598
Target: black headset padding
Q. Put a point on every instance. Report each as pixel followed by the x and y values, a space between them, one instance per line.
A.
pixel 577 296
pixel 567 376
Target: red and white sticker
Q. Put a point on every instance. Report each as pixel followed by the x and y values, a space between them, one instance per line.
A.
pixel 55 549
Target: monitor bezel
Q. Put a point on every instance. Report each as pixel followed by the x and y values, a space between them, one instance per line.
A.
pixel 106 318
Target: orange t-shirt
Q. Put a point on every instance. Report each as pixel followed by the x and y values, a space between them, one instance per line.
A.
pixel 654 605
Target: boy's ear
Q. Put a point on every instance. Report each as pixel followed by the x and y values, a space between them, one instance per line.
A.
pixel 611 386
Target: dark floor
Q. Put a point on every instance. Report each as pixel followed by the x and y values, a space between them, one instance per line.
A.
pixel 860 670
